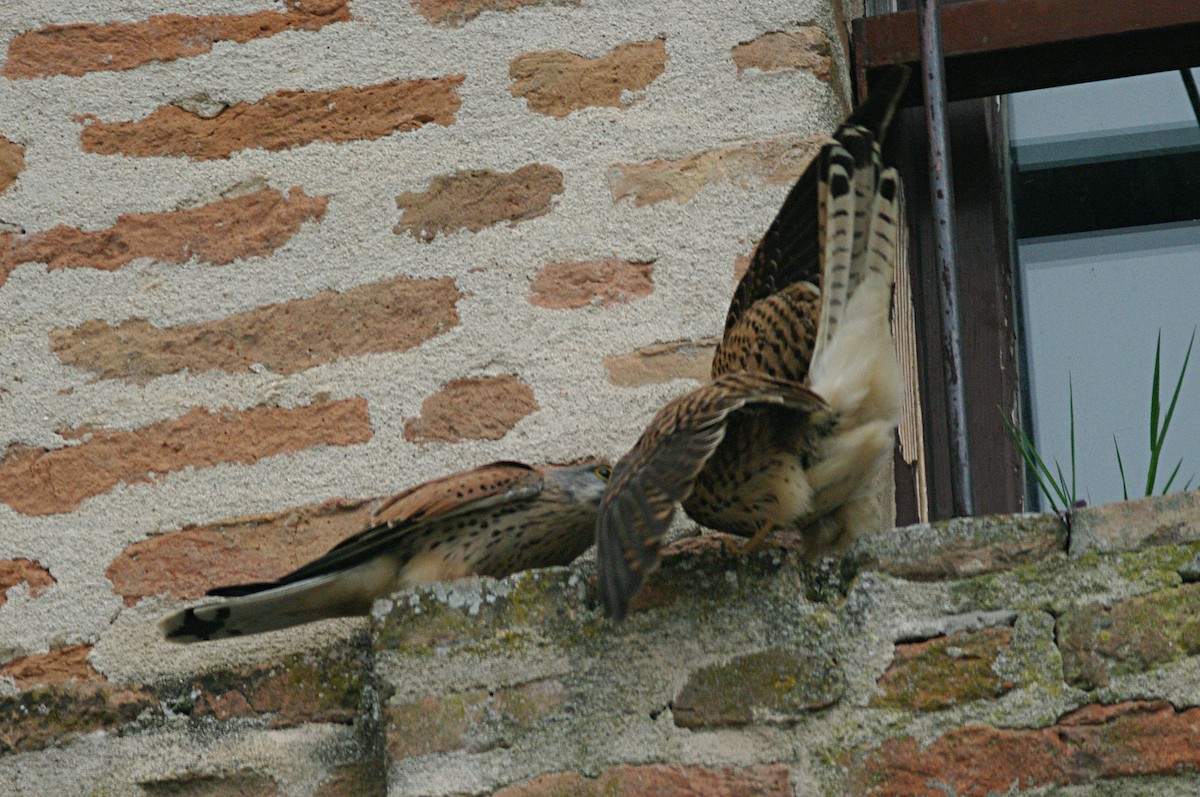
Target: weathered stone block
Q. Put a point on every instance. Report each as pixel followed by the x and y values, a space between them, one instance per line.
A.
pixel 962 547
pixel 777 684
pixel 945 671
pixel 1141 523
pixel 1101 642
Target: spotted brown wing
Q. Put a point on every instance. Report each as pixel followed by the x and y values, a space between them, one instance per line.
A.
pixel 793 248
pixel 774 337
pixel 393 523
pixel 660 470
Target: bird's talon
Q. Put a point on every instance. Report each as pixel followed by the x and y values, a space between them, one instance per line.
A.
pixel 743 547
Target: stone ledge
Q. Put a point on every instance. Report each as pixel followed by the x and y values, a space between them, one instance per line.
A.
pixel 962 547
pixel 1141 523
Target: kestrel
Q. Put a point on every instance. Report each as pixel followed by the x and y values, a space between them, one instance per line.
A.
pixel 806 391
pixel 491 521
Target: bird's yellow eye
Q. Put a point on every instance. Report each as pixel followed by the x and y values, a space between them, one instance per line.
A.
pixel 603 471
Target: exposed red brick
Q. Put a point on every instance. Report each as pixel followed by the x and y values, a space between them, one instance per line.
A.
pixel 37 481
pixel 475 408
pixel 77 49
pixel 186 564
pixel 456 12
pixel 54 715
pixel 557 82
pixel 676 781
pixel 581 283
pixel 780 50
pixel 281 121
pixel 776 161
pixel 662 362
pixel 395 315
pixel 252 225
pixel 476 721
pixel 428 725
pixel 233 784
pixel 57 667
pixel 319 686
pixel 12 162
pixel 1095 743
pixel 63 696
pixel 945 671
pixel 478 198
pixel 23 571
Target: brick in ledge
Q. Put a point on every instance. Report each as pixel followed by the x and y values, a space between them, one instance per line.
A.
pixel 1093 743
pixel 771 780
pixel 241 783
pixel 62 697
pixel 312 686
pixel 962 547
pixel 481 615
pixel 476 720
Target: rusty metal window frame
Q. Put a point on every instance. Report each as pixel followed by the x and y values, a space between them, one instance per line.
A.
pixel 991 48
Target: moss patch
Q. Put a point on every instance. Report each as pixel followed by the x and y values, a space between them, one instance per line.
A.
pixel 1100 642
pixel 945 671
pixel 779 683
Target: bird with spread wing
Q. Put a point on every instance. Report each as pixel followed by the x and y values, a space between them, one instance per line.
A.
pixel 494 520
pixel 806 390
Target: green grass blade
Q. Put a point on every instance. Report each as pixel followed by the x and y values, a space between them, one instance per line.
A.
pixel 1032 460
pixel 1170 479
pixel 1152 470
pixel 1060 485
pixel 1158 435
pixel 1121 467
pixel 1166 421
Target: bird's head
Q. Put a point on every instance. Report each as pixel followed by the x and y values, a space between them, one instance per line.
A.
pixel 584 482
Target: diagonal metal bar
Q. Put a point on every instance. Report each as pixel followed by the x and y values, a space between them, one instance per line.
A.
pixel 1189 85
pixel 940 182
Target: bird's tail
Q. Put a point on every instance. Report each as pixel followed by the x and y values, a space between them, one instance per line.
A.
pixel 860 212
pixel 339 594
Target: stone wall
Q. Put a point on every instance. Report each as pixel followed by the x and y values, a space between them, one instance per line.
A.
pixel 1001 655
pixel 262 263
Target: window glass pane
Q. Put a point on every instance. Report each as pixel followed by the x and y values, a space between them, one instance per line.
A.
pixel 1095 294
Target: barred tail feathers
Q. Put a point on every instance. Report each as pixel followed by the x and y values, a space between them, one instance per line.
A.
pixel 856 369
pixel 341 594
